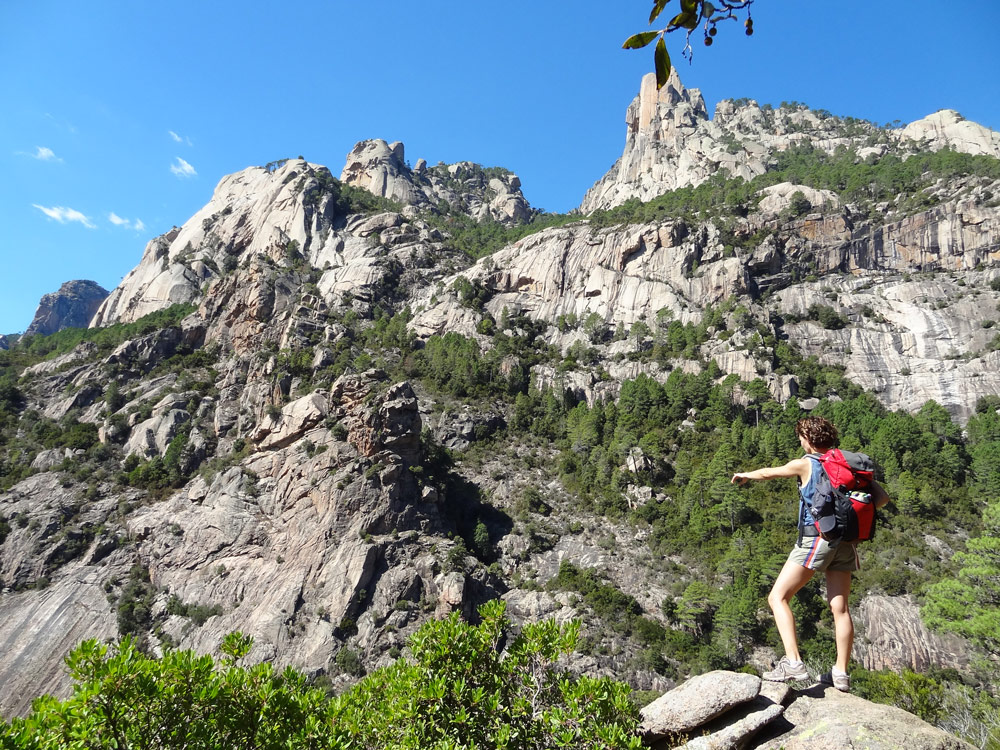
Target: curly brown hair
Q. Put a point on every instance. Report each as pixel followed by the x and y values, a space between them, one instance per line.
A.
pixel 820 433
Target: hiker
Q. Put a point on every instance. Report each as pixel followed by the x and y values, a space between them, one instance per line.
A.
pixel 811 553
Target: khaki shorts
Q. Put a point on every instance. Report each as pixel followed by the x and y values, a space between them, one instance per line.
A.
pixel 815 553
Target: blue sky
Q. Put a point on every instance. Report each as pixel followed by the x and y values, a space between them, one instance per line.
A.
pixel 119 118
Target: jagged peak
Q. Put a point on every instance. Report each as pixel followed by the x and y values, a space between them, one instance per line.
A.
pixel 491 193
pixel 672 143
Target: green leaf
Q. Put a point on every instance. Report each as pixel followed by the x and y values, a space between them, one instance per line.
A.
pixel 662 61
pixel 689 6
pixel 687 20
pixel 638 41
pixel 658 6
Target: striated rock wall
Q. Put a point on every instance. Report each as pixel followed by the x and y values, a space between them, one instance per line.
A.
pixel 917 316
pixel 622 274
pixel 895 638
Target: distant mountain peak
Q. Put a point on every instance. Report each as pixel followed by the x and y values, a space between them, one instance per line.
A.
pixel 73 306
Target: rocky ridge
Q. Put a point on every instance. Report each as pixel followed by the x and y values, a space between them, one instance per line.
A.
pixel 671 142
pixel 73 306
pixel 484 194
pixel 257 220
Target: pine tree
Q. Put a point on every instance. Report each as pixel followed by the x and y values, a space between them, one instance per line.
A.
pixel 970 603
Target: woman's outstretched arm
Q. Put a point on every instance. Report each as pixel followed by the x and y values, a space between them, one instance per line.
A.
pixel 797 467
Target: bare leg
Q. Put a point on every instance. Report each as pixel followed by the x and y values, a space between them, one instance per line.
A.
pixel 838 591
pixel 791 578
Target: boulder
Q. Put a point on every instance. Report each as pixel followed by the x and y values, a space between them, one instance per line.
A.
pixel 779 197
pixel 294 420
pixel 696 702
pixel 48 459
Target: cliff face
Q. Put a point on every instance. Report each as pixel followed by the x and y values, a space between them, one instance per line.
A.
pixel 316 536
pixel 73 306
pixel 916 296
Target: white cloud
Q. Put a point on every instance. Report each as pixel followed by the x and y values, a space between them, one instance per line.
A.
pixel 118 221
pixel 45 154
pixel 182 168
pixel 177 138
pixel 63 215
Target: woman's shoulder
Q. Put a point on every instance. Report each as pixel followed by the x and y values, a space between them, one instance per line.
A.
pixel 804 466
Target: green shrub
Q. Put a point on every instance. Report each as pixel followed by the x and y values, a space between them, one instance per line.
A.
pixel 460 689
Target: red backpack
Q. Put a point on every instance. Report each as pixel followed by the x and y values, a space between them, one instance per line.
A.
pixel 842 507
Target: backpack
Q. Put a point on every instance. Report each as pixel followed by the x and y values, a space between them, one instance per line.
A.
pixel 842 508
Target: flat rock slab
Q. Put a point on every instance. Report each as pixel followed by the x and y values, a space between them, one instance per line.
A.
pixel 831 720
pixel 697 701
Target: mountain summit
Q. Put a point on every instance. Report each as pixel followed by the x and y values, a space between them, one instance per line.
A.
pixel 671 142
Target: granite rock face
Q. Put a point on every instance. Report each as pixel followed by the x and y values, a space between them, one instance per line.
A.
pixel 895 638
pixel 73 306
pixel 915 296
pixel 948 129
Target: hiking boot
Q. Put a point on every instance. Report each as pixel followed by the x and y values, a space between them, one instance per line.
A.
pixel 840 681
pixel 784 671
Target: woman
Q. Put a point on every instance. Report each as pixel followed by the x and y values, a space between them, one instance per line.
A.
pixel 811 553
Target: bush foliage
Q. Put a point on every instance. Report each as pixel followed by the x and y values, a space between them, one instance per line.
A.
pixel 460 688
